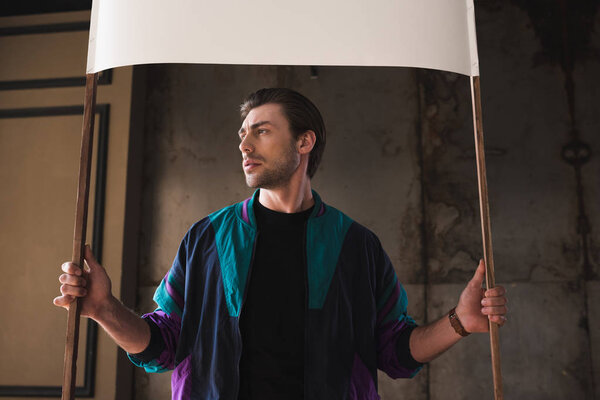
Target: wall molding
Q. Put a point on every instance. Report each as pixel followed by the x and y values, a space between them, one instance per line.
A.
pixel 102 117
pixel 104 78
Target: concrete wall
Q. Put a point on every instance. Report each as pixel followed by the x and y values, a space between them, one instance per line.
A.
pixel 400 159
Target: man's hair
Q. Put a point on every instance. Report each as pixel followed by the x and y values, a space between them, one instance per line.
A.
pixel 301 114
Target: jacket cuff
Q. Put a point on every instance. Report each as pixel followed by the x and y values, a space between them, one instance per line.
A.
pixel 403 349
pixel 155 347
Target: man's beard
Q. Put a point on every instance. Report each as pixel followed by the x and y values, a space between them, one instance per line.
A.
pixel 279 174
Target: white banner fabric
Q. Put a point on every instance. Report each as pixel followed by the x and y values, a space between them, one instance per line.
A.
pixel 436 34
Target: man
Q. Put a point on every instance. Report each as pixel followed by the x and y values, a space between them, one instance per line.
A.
pixel 280 296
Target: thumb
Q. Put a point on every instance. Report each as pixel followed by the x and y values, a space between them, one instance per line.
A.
pixel 91 262
pixel 479 275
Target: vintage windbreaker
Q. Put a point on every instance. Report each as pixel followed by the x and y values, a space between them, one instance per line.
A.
pixel 356 308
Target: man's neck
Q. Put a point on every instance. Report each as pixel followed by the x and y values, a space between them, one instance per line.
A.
pixel 294 197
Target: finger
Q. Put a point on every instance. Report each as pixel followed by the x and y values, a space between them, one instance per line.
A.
pixel 495 292
pixel 63 301
pixel 479 275
pixel 75 291
pixel 498 319
pixel 71 268
pixel 501 310
pixel 494 301
pixel 72 280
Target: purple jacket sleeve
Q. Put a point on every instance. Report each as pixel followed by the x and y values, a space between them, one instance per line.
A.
pixel 159 356
pixel 393 325
pixel 165 321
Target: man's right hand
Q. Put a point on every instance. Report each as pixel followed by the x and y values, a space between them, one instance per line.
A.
pixel 97 302
pixel 93 286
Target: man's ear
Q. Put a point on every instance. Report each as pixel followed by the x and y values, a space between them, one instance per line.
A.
pixel 306 142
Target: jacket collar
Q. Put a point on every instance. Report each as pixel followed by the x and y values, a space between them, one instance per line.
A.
pixel 247 209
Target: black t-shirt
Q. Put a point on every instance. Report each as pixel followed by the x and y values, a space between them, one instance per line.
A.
pixel 273 314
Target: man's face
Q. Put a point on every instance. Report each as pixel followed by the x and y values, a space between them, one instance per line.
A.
pixel 268 148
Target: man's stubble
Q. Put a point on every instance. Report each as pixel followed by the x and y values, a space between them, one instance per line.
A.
pixel 279 173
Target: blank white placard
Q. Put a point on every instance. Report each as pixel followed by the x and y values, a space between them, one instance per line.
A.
pixel 437 34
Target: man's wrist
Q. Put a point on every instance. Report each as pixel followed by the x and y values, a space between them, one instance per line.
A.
pixel 456 323
pixel 106 311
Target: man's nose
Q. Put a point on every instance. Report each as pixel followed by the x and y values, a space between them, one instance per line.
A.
pixel 246 145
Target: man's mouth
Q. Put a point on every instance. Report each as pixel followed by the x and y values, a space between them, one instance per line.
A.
pixel 249 164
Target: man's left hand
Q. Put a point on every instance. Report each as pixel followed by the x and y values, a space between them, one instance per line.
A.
pixel 476 305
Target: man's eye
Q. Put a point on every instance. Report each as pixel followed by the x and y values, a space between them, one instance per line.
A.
pixel 262 131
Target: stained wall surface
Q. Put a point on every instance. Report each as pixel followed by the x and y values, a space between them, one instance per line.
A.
pixel 400 160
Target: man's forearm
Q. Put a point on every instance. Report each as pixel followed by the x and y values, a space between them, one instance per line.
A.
pixel 126 328
pixel 429 341
pixel 477 307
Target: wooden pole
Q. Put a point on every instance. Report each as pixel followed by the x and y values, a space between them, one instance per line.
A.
pixel 484 207
pixel 85 162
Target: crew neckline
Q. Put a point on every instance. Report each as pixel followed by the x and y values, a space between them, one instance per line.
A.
pixel 262 212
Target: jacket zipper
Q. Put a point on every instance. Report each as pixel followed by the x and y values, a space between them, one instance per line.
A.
pixel 237 381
